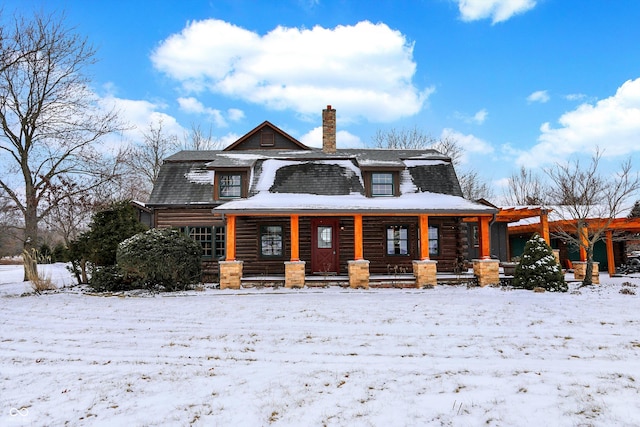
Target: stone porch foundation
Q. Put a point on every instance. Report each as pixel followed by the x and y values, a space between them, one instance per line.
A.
pixel 425 273
pixel 230 274
pixel 294 274
pixel 487 271
pixel 359 274
pixel 580 271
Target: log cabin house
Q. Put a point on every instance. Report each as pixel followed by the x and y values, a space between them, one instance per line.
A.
pixel 269 205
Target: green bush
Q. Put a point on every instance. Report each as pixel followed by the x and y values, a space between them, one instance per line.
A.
pixel 538 268
pixel 165 259
pixel 109 278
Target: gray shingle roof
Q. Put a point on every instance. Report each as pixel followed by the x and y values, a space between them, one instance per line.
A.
pixel 186 178
pixel 183 183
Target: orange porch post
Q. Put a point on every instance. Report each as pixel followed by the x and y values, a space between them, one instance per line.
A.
pixel 611 263
pixel 544 226
pixel 424 237
pixel 357 237
pixel 231 238
pixel 485 242
pixel 583 233
pixel 295 238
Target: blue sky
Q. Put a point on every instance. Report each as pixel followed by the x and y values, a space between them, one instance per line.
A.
pixel 514 81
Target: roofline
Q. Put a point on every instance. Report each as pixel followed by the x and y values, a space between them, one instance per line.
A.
pixel 364 212
pixel 260 126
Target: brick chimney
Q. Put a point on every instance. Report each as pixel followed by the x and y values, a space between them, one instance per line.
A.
pixel 329 130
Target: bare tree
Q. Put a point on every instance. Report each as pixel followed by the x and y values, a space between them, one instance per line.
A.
pixel 50 120
pixel 526 188
pixel 473 187
pixel 197 139
pixel 403 139
pixel 146 157
pixel 591 200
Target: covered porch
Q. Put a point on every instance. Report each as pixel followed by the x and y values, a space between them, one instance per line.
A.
pixel 340 240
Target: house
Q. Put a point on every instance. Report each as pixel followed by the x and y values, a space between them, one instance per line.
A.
pixel 269 205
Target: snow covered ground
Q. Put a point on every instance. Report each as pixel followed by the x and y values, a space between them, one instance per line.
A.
pixel 258 357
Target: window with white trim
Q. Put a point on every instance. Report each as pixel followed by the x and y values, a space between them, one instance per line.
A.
pixel 271 241
pixel 230 186
pixel 382 184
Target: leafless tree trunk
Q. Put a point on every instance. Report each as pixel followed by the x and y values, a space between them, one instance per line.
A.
pixel 591 200
pixel 50 120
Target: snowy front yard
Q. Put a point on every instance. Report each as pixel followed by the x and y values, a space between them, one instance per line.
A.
pixel 446 356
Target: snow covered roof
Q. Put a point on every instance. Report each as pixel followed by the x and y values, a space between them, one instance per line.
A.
pixel 315 181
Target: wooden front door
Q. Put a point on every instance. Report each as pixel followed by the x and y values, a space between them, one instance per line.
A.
pixel 324 245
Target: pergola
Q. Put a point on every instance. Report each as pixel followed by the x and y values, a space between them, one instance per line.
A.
pixel 630 225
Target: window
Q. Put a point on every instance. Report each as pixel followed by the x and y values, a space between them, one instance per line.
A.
pixel 382 184
pixel 434 241
pixel 219 242
pixel 271 239
pixel 397 240
pixel 212 240
pixel 267 139
pixel 230 186
pixel 325 237
pixel 474 237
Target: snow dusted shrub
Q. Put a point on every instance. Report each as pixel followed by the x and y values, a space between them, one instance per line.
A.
pixel 109 278
pixel 160 258
pixel 538 267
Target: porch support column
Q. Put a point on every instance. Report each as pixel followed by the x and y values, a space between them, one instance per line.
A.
pixel 583 233
pixel 487 271
pixel 231 238
pixel 424 237
pixel 611 263
pixel 295 238
pixel 231 270
pixel 544 226
pixel 357 238
pixel 485 242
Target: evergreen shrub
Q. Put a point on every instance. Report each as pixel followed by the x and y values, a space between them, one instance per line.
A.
pixel 538 268
pixel 160 258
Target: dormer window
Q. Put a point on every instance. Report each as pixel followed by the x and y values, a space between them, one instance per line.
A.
pixel 230 186
pixel 382 184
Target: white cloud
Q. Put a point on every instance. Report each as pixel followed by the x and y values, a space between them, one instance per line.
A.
pixel 344 139
pixel 575 96
pixel 612 124
pixel 365 70
pixel 469 143
pixel 540 96
pixel 478 118
pixel 192 105
pixel 139 115
pixel 497 10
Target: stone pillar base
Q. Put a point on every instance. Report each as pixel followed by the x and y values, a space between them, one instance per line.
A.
pixel 294 274
pixel 359 274
pixel 580 271
pixel 425 273
pixel 487 271
pixel 230 274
